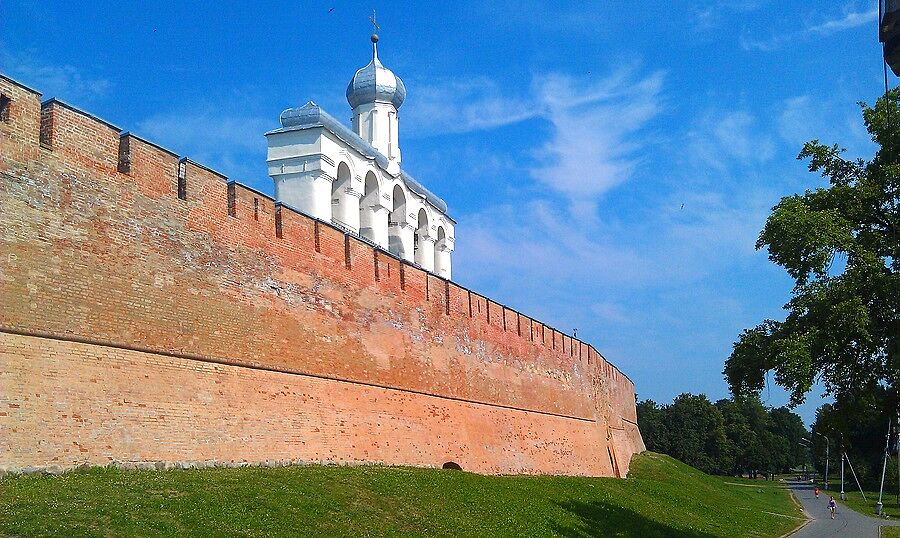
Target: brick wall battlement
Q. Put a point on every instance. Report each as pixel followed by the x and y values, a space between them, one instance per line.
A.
pixel 108 237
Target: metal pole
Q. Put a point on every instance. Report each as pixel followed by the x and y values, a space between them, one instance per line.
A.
pixel 887 442
pixel 805 444
pixel 855 478
pixel 842 467
pixel 827 456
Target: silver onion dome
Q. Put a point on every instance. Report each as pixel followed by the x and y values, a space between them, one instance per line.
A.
pixel 375 83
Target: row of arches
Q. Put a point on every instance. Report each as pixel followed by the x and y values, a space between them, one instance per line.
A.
pixel 427 250
pixel 364 213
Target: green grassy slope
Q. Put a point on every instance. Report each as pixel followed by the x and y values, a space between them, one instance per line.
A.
pixel 662 498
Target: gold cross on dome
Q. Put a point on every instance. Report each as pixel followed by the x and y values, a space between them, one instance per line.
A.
pixel 375 26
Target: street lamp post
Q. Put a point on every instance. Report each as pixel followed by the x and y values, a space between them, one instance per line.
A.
pixel 843 497
pixel 887 444
pixel 804 442
pixel 827 451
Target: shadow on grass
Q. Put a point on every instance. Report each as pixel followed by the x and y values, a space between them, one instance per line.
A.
pixel 602 519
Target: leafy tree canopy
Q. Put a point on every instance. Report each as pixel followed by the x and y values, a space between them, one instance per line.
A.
pixel 843 323
pixel 728 437
pixel 860 430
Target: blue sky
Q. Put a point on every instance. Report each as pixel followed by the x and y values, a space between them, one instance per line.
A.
pixel 610 164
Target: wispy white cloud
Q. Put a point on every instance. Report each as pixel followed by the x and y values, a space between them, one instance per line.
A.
pixel 464 106
pixel 452 106
pixel 697 224
pixel 708 14
pixel 592 124
pixel 613 313
pixel 535 238
pixel 677 239
pixel 631 286
pixel 208 126
pixel 800 121
pixel 648 269
pixel 765 44
pixel 593 146
pixel 850 17
pixel 63 81
pixel 223 140
pixel 804 117
pixel 718 139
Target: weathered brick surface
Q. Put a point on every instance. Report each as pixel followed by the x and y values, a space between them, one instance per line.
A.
pixel 163 408
pixel 94 249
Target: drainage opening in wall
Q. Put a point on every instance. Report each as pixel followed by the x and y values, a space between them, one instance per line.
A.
pixel 451 465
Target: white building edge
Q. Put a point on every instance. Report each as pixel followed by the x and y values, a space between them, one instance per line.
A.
pixel 352 178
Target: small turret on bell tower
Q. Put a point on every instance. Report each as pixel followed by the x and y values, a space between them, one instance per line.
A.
pixel 375 94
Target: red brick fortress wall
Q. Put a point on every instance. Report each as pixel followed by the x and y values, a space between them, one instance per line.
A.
pixel 150 311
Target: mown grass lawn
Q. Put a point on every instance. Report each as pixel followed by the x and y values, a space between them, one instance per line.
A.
pixel 662 497
pixel 855 501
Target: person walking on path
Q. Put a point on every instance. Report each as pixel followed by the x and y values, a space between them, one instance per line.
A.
pixel 817 492
pixel 846 523
pixel 831 506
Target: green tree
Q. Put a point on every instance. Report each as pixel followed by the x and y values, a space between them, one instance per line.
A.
pixel 652 423
pixel 843 323
pixel 728 437
pixel 697 432
pixel 861 428
pixel 761 455
pixel 740 436
pixel 788 425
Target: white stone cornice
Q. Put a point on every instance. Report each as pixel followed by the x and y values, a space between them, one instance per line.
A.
pixel 309 158
pixel 318 174
pixel 299 167
pixel 312 174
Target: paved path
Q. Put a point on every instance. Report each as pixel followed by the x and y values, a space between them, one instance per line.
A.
pixel 846 522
